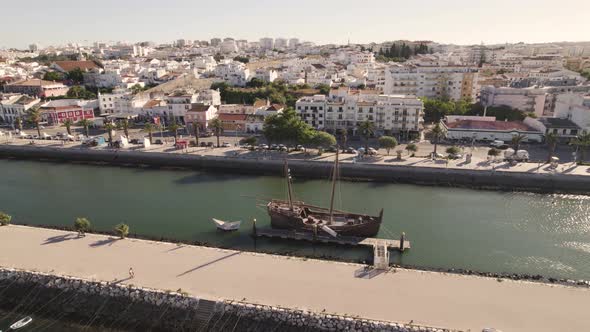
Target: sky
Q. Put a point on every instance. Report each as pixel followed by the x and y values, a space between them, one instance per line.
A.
pixel 322 21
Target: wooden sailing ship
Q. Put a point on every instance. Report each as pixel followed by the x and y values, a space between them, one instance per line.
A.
pixel 299 216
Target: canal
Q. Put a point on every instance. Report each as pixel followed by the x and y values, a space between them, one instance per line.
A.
pixel 449 228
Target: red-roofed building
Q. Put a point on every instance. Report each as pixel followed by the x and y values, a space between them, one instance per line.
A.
pixel 66 66
pixel 488 129
pixel 232 122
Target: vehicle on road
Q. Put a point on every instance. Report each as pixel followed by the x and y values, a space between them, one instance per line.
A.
pixel 299 148
pixel 331 149
pixel 350 150
pixel 262 147
pixel 455 156
pixel 159 142
pixel 226 145
pixel 497 144
pixel 371 151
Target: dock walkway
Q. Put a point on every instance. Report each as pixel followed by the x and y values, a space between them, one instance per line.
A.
pixel 341 240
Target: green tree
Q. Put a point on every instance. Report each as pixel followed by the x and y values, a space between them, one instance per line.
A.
pixel 255 83
pixel 109 127
pixel 287 127
pixel 324 88
pixel 34 117
pixel 150 128
pixel 217 126
pixel 125 126
pixel 453 150
pixel 52 76
pixel 242 59
pixel 411 148
pixel 367 129
pixel 4 219
pixel 493 152
pixel 551 141
pixel 196 132
pixel 323 139
pixel 68 124
pixel 82 225
pixel 76 75
pixel 387 142
pixel 437 133
pixel 173 127
pixel 582 142
pixel 19 123
pixel 517 141
pixel 343 134
pixel 252 140
pixel 86 124
pixel 122 230
pixel 80 92
pixel 137 88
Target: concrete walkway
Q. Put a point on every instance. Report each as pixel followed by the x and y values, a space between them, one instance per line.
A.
pixel 436 299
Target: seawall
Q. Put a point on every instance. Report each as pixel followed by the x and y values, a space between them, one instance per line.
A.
pixel 126 307
pixel 422 175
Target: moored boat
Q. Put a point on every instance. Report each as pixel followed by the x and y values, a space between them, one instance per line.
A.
pixel 227 225
pixel 21 323
pixel 297 215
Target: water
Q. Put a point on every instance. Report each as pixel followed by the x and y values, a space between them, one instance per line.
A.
pixel 449 228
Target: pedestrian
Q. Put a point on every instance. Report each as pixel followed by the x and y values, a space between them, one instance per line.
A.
pixel 131 273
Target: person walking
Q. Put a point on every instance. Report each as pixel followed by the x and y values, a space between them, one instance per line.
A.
pixel 131 273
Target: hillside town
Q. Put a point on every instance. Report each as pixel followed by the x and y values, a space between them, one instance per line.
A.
pixel 477 92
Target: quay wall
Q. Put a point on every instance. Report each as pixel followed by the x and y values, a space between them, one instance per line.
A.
pixel 422 175
pixel 128 307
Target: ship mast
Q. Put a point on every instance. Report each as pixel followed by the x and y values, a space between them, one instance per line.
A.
pixel 290 189
pixel 334 178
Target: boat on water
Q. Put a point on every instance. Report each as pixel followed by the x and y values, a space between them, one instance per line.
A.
pixel 21 323
pixel 227 225
pixel 299 216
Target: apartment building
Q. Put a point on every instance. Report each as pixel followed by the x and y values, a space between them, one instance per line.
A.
pixel 574 107
pixel 454 82
pixel 391 114
pixel 15 106
pixel 37 88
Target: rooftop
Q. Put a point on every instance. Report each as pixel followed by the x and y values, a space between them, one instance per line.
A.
pixel 71 65
pixel 559 123
pixel 490 125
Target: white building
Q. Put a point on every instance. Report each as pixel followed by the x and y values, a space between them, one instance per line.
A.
pixel 234 73
pixel 228 46
pixel 574 107
pixel 15 106
pixel 488 129
pixel 267 43
pixel 454 82
pixel 281 43
pixel 293 43
pixel 267 75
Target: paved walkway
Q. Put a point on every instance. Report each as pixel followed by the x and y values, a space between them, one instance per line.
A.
pixel 461 302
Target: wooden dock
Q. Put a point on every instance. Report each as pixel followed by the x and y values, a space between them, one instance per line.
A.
pixel 341 240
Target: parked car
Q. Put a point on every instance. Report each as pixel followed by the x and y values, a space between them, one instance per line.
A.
pixel 331 149
pixel 497 144
pixel 299 147
pixel 210 144
pixel 371 151
pixel 226 145
pixel 455 156
pixel 351 150
pixel 159 141
pixel 273 147
pixel 263 147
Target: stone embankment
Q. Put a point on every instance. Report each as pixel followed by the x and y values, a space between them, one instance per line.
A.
pixel 135 308
pixel 422 175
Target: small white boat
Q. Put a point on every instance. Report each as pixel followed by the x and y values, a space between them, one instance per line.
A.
pixel 227 225
pixel 21 323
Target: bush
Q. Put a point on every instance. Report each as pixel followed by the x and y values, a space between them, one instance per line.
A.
pixel 82 225
pixel 252 140
pixel 453 150
pixel 387 142
pixel 412 148
pixel 122 230
pixel 4 219
pixel 493 152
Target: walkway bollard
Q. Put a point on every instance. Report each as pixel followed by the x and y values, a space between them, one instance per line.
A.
pixel 254 227
pixel 402 239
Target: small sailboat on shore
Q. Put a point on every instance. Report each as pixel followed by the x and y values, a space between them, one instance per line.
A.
pixel 21 323
pixel 227 226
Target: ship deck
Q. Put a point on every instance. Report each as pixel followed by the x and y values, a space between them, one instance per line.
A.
pixel 341 240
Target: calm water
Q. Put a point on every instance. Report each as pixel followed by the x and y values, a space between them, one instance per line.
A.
pixel 480 230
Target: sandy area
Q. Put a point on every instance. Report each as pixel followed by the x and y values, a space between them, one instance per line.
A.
pixel 435 299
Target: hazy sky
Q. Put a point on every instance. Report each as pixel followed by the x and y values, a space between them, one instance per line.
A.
pixel 321 21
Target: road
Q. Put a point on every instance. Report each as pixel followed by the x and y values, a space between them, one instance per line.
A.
pixel 426 298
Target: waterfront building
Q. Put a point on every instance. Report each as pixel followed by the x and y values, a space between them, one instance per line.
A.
pixel 37 88
pixel 57 111
pixel 574 107
pixel 15 106
pixel 488 129
pixel 201 114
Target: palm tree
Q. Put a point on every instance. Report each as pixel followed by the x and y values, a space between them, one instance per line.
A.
pixel 86 124
pixel 34 116
pixel 367 129
pixel 437 133
pixel 81 225
pixel 150 127
pixel 109 127
pixel 343 133
pixel 217 126
pixel 68 124
pixel 196 131
pixel 551 140
pixel 125 126
pixel 517 140
pixel 173 127
pixel 582 142
pixel 122 230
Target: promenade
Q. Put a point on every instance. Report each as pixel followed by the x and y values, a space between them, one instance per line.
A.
pixel 427 298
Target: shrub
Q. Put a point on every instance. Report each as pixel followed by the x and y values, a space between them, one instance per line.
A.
pixel 493 152
pixel 412 147
pixel 453 150
pixel 4 219
pixel 82 225
pixel 122 230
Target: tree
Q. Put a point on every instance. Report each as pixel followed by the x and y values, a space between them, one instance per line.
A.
pixel 517 140
pixel 252 140
pixel 86 124
pixel 551 140
pixel 109 127
pixel 68 124
pixel 287 127
pixel 493 152
pixel 173 127
pixel 387 142
pixel 367 129
pixel 437 133
pixel 412 148
pixel 217 126
pixel 76 75
pixel 4 219
pixel 137 88
pixel 34 117
pixel 150 127
pixel 196 132
pixel 324 88
pixel 323 139
pixel 80 92
pixel 19 123
pixel 255 83
pixel 343 133
pixel 582 142
pixel 242 59
pixel 125 126
pixel 52 76
pixel 81 225
pixel 122 230
pixel 453 150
